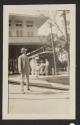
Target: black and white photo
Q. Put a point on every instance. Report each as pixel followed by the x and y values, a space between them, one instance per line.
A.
pixel 39 61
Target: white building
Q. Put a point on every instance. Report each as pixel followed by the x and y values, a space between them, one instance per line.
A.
pixel 23 32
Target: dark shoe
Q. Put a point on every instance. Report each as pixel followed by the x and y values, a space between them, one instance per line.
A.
pixel 28 89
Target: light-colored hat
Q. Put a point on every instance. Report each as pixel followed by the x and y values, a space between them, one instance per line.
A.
pixel 23 50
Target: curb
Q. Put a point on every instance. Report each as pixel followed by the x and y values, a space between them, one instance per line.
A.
pixel 48 85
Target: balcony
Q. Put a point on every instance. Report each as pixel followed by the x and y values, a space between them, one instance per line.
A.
pixel 26 40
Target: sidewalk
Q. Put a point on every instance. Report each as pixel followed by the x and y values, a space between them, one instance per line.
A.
pixel 38 100
pixel 39 82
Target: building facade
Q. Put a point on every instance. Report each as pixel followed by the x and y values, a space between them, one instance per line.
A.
pixel 23 32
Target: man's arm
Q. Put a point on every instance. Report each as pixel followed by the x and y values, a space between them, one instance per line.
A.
pixel 19 64
pixel 28 63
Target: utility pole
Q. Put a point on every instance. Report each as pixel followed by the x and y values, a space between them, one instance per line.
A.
pixel 66 37
pixel 53 48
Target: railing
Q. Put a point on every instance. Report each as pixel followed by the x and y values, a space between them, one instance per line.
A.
pixel 26 40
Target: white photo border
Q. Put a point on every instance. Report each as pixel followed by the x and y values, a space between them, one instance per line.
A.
pixel 7 9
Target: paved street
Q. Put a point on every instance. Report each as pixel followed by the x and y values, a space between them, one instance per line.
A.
pixel 38 101
pixel 60 82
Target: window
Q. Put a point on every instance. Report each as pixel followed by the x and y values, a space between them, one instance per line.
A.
pixel 29 23
pixel 9 22
pixel 30 33
pixel 18 23
pixel 19 33
pixel 10 34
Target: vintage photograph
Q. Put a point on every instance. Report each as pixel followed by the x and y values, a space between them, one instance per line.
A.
pixel 39 61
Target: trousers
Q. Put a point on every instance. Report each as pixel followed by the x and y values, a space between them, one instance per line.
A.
pixel 24 78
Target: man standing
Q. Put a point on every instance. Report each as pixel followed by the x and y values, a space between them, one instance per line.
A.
pixel 46 66
pixel 32 64
pixel 24 69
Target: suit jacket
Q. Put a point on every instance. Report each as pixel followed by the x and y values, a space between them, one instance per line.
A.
pixel 23 64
